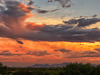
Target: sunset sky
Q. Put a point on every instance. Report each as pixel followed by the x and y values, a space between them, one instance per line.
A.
pixel 49 32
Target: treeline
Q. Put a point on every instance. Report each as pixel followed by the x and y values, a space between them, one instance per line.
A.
pixel 70 69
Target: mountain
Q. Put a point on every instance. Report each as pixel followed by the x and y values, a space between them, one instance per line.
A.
pixel 48 66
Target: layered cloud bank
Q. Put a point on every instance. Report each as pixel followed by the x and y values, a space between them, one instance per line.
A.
pixel 13 25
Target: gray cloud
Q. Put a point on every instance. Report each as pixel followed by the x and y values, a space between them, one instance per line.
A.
pixel 63 50
pixel 88 52
pixel 82 22
pixel 78 54
pixel 95 15
pixel 8 53
pixel 13 9
pixel 38 53
pixel 30 3
pixel 64 3
pixel 70 33
pixel 98 49
pixel 83 54
pixel 40 11
pixel 20 42
pixel 94 55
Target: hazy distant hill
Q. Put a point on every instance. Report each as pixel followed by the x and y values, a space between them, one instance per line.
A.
pixel 46 65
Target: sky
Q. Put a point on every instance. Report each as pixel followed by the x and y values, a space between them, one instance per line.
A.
pixel 49 32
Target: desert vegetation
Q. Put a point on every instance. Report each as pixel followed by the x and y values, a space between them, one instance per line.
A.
pixel 69 69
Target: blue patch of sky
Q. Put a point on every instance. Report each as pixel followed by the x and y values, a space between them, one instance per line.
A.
pixel 79 8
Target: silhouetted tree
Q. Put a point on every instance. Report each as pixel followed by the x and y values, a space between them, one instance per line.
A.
pixel 96 70
pixel 3 69
pixel 78 69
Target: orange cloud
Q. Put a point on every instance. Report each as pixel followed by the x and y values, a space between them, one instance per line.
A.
pixel 52 56
pixel 34 26
pixel 24 7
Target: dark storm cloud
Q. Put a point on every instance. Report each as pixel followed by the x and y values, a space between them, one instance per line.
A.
pixel 82 22
pixel 8 53
pixel 63 50
pixel 20 42
pixel 38 53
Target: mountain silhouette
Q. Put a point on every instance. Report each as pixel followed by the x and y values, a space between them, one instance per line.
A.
pixel 47 65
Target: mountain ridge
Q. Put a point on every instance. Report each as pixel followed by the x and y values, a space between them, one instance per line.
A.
pixel 47 65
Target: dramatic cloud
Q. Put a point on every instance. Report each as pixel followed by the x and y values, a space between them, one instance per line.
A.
pixel 13 25
pixel 15 15
pixel 38 53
